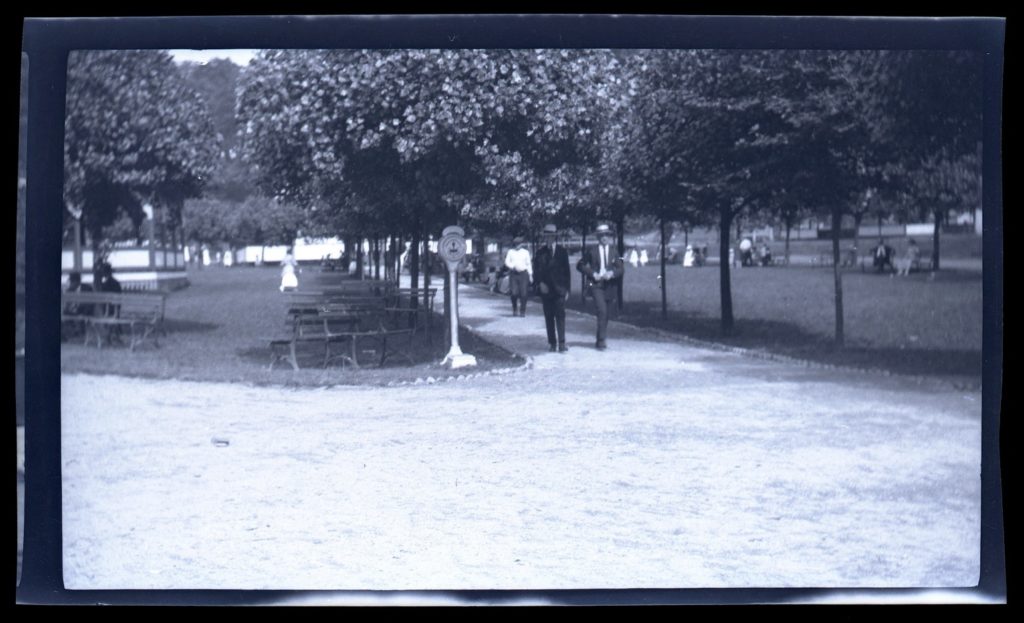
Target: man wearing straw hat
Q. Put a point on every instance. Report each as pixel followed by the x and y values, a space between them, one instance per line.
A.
pixel 520 267
pixel 551 272
pixel 603 268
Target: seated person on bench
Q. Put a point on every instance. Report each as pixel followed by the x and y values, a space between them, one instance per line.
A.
pixel 105 282
pixel 883 256
pixel 911 261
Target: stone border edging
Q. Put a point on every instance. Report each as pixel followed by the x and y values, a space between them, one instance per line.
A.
pixel 431 380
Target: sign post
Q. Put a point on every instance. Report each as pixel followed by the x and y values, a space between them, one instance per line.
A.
pixel 452 248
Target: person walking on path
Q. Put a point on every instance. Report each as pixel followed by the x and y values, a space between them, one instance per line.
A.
pixel 551 271
pixel 520 267
pixel 289 281
pixel 603 269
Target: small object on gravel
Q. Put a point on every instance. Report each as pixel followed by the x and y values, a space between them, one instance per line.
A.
pixel 219 442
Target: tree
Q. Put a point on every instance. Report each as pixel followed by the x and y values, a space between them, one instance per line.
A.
pixel 933 113
pixel 215 81
pixel 416 139
pixel 706 137
pixel 823 100
pixel 134 132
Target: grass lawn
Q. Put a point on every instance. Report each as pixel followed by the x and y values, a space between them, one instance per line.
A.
pixel 220 326
pixel 918 325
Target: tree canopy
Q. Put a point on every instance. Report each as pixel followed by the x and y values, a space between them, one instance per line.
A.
pixel 134 132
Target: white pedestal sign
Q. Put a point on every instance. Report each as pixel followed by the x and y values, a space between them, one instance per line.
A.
pixel 452 248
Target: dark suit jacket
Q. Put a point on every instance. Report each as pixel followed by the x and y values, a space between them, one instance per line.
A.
pixel 590 263
pixel 552 270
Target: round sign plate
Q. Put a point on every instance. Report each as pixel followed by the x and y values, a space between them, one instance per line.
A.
pixel 452 248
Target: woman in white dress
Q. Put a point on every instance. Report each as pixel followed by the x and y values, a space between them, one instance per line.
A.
pixel 688 257
pixel 288 279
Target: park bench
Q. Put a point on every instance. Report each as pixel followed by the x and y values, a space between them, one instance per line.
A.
pixel 923 264
pixel 327 324
pixel 400 304
pixel 313 329
pixel 403 297
pixel 354 286
pixel 106 315
pixel 315 301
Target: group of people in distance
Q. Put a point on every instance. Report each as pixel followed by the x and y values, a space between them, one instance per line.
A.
pixel 749 255
pixel 550 276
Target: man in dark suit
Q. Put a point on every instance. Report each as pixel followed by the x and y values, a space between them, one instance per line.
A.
pixel 603 269
pixel 552 276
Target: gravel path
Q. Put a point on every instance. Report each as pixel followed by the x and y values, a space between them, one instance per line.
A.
pixel 654 464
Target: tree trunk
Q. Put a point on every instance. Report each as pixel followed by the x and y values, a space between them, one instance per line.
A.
pixel 664 296
pixel 725 216
pixel 77 227
pixel 857 218
pixel 583 278
pixel 396 258
pixel 429 267
pixel 414 264
pixel 95 244
pixel 620 226
pixel 374 259
pixel 360 260
pixel 836 223
pixel 789 226
pixel 935 239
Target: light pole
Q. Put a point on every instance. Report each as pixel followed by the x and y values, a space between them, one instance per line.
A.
pixel 452 248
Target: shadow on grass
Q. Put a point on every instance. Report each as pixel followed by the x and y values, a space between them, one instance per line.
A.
pixel 422 351
pixel 790 340
pixel 946 275
pixel 177 325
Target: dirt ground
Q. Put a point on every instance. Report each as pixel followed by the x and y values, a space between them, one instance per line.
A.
pixel 654 464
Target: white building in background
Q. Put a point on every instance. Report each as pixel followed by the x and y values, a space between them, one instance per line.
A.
pixel 156 263
pixel 305 249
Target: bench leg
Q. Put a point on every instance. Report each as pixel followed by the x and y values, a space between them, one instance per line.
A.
pixel 276 355
pixel 98 332
pixel 146 331
pixel 292 358
pixel 355 360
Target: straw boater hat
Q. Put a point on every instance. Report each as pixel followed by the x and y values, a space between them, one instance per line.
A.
pixel 518 240
pixel 604 230
pixel 550 229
